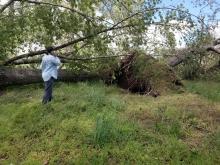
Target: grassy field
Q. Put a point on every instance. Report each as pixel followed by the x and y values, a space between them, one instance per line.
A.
pixel 90 123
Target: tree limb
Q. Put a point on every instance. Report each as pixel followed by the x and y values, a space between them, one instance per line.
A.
pixel 32 54
pixel 19 76
pixel 6 5
pixel 215 48
pixel 63 59
pixel 182 56
pixel 114 27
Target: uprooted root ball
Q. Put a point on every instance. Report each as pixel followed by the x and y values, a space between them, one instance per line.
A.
pixel 141 73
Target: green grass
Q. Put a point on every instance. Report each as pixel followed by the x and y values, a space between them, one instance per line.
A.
pixel 90 123
pixel 207 89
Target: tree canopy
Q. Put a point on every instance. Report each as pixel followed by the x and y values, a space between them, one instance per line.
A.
pixel 91 28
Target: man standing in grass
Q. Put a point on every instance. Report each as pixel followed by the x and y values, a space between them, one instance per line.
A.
pixel 49 66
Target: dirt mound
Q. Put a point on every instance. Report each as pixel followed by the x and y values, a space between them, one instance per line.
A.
pixel 141 73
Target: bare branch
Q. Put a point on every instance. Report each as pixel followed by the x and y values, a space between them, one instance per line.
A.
pixel 92 58
pixel 32 61
pixel 215 49
pixel 32 54
pixel 6 5
pixel 64 59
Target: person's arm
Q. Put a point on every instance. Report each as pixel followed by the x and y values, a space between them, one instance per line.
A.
pixel 56 61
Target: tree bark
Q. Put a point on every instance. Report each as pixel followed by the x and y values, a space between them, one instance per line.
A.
pixel 215 48
pixel 180 56
pixel 184 54
pixel 17 76
pixel 63 59
pixel 176 60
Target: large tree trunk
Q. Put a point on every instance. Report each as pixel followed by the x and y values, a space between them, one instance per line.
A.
pixel 183 54
pixel 17 76
pixel 176 60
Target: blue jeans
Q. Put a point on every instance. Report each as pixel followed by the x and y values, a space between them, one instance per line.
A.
pixel 48 89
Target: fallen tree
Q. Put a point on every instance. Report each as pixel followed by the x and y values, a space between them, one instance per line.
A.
pixel 176 59
pixel 129 76
pixel 183 54
pixel 135 78
pixel 179 57
pixel 18 76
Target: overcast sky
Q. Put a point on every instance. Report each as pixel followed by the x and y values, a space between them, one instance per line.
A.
pixel 204 9
pixel 3 1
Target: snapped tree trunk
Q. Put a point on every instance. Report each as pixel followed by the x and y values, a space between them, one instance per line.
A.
pixel 17 76
pixel 176 60
pixel 183 54
pixel 180 57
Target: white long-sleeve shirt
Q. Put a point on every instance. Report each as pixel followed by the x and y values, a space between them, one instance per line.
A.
pixel 49 67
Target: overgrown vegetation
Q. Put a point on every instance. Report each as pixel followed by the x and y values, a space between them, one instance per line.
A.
pixel 90 123
pixel 212 74
pixel 207 89
pixel 144 74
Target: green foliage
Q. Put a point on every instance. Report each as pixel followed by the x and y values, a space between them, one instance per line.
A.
pixel 207 89
pixel 214 141
pixel 105 129
pixel 198 59
pixel 109 129
pixel 154 72
pixel 56 22
pixel 90 123
pixel 173 151
pixel 191 68
pixel 212 73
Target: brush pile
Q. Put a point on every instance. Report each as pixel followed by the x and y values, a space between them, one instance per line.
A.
pixel 143 74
